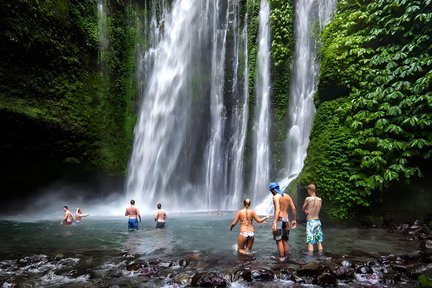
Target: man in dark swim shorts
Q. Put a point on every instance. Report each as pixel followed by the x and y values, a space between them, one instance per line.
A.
pixel 160 216
pixel 281 224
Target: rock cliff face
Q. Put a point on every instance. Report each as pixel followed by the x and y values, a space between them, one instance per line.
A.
pixel 56 103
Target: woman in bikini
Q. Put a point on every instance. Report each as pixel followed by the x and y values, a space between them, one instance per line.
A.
pixel 246 235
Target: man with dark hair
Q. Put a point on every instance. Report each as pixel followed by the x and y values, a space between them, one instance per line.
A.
pixel 160 216
pixel 133 213
pixel 281 224
pixel 68 217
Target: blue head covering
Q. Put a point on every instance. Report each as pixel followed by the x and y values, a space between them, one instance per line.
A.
pixel 275 186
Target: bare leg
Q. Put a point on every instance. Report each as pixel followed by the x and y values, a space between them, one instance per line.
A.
pixel 320 247
pixel 241 241
pixel 310 247
pixel 280 247
pixel 286 247
pixel 249 245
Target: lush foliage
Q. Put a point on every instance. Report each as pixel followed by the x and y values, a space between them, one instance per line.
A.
pixel 376 56
pixel 282 44
pixel 50 75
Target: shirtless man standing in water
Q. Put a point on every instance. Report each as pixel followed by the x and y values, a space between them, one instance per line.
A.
pixel 133 213
pixel 160 216
pixel 312 208
pixel 281 224
pixel 68 217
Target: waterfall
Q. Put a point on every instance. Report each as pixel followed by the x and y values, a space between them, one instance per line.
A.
pixel 261 129
pixel 214 158
pixel 102 29
pixel 303 86
pixel 184 150
pixel 241 113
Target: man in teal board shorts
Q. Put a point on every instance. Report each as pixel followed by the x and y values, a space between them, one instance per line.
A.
pixel 312 207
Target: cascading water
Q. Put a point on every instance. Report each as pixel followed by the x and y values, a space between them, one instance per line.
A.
pixel 261 127
pixel 239 123
pixel 303 86
pixel 102 29
pixel 184 152
pixel 215 168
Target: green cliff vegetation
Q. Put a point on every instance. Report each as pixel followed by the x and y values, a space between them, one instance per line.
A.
pixel 373 122
pixel 52 104
pixel 282 47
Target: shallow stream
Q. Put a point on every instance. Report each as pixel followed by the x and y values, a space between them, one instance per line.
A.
pixel 101 251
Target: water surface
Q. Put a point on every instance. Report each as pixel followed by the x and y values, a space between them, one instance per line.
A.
pixel 103 243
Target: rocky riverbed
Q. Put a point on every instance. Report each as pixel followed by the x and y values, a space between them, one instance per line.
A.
pixel 358 268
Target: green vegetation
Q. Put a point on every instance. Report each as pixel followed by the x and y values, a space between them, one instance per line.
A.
pixel 50 74
pixel 282 45
pixel 375 103
pixel 68 95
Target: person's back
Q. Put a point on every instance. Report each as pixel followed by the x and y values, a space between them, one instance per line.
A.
pixel 160 216
pixel 79 214
pixel 67 217
pixel 313 207
pixel 246 236
pixel 284 202
pixel 246 217
pixel 133 214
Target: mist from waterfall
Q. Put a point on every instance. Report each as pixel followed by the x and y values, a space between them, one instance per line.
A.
pixel 189 137
pixel 261 128
pixel 303 86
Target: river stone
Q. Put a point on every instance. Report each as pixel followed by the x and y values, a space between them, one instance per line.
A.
pixel 262 274
pixel 184 262
pixel 364 269
pixel 182 279
pixel 208 279
pixel 428 244
pixel 327 279
pixel 310 269
pixel 415 270
pixel 343 272
pixel 134 266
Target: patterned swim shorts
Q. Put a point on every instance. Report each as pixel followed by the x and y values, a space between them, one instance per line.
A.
pixel 313 232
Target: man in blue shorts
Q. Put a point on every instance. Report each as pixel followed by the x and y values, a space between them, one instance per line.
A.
pixel 133 213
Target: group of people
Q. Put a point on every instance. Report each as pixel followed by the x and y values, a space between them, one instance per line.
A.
pixel 134 215
pixel 281 225
pixel 69 218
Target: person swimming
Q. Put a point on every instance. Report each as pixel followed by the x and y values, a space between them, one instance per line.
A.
pixel 79 214
pixel 67 217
